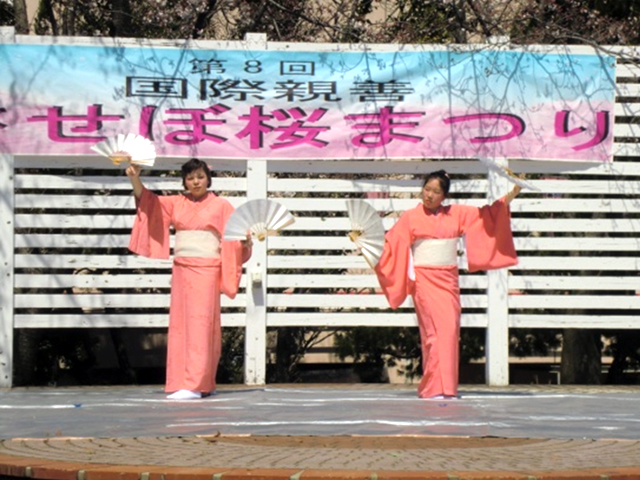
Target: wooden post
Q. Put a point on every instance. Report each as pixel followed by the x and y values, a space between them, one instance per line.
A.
pixel 497 337
pixel 6 269
pixel 256 287
pixel 255 350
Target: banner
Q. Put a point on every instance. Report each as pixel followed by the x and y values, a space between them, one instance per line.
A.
pixel 237 104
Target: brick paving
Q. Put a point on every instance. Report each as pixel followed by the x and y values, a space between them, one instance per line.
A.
pixel 276 449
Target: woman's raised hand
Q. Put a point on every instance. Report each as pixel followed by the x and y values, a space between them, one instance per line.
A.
pixel 133 171
pixel 248 242
pixel 513 193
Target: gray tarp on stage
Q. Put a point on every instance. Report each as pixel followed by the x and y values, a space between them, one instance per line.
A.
pixel 532 412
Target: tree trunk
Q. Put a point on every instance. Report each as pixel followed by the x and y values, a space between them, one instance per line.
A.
pixel 21 18
pixel 581 357
pixel 121 14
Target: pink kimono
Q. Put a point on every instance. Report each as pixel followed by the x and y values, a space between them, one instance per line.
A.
pixel 435 290
pixel 195 337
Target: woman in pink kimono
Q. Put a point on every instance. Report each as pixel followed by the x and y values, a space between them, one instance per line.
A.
pixel 420 259
pixel 204 265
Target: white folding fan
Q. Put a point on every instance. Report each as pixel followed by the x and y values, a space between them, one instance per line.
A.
pixel 367 231
pixel 261 217
pixel 132 148
pixel 506 173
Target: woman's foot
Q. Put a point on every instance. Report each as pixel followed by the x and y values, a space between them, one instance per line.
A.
pixel 442 397
pixel 184 395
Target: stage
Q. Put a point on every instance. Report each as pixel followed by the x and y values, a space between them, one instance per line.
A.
pixel 273 429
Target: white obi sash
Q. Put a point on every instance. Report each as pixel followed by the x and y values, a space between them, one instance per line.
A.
pixel 435 251
pixel 197 243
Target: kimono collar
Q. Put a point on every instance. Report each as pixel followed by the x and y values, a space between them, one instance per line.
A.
pixel 438 211
pixel 197 200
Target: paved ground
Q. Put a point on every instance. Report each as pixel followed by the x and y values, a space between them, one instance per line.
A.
pixel 332 431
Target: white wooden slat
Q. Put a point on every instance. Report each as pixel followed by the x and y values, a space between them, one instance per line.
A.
pixel 595 244
pixel 626 149
pixel 523 203
pixel 67 221
pixel 125 222
pixel 392 169
pixel 374 167
pixel 162 163
pixel 99 240
pixel 567 168
pixel 575 264
pixel 315 262
pixel 588 321
pixel 106 262
pixel 66 182
pixel 537 263
pixel 146 281
pixel 575 282
pixel 627 90
pixel 61 240
pixel 572 301
pixel 315 185
pixel 100 320
pixel 330 302
pixel 384 319
pixel 626 109
pixel 600 243
pixel 627 70
pixel 519 224
pixel 583 225
pixel 111 262
pixel 626 130
pixel 369 281
pixel 140 281
pixel 324 223
pixel 551 186
pixel 89 202
pixel 68 201
pixel 588 187
pixel 106 300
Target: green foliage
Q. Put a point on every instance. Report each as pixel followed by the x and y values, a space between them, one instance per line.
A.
pixel 526 342
pixel 624 347
pixel 372 349
pixel 418 21
pixel 231 367
pixel 604 22
pixel 7 17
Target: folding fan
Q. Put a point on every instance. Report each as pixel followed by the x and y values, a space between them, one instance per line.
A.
pixel 262 217
pixel 506 173
pixel 127 148
pixel 367 231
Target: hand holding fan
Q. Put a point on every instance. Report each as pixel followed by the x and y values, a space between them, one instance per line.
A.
pixel 261 217
pixel 367 231
pixel 131 148
pixel 507 173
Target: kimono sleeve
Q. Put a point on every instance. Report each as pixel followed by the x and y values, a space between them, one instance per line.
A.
pixel 392 268
pixel 232 256
pixel 489 239
pixel 150 232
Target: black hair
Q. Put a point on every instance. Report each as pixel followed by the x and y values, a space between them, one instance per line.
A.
pixel 191 166
pixel 443 180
